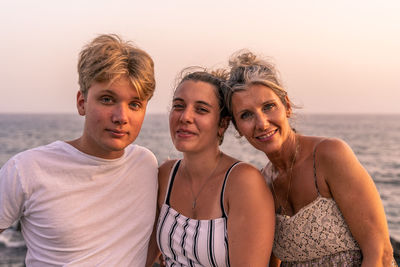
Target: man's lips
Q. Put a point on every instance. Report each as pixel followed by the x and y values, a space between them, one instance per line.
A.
pixel 266 135
pixel 117 133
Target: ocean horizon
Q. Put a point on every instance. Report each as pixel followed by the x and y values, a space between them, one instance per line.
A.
pixel 374 138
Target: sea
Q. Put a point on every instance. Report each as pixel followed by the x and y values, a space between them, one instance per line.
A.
pixel 375 139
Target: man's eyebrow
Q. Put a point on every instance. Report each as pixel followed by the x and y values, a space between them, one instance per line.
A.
pixel 108 91
pixel 111 92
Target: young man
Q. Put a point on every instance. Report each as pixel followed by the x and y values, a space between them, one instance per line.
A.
pixel 90 201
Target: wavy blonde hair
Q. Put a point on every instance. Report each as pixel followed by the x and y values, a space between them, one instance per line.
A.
pixel 247 69
pixel 108 58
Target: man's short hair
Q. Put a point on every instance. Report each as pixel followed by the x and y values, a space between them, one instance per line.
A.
pixel 108 58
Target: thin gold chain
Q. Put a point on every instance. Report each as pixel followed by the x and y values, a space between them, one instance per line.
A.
pixel 206 181
pixel 290 181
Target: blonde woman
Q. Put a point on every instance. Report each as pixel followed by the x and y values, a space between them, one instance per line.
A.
pixel 328 211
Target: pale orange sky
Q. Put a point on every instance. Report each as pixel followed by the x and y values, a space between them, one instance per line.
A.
pixel 334 56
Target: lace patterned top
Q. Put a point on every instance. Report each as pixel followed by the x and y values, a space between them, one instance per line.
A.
pixel 317 235
pixel 315 231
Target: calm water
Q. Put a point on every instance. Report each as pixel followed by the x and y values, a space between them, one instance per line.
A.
pixel 374 138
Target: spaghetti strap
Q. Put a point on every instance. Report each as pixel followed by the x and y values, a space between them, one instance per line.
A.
pixel 171 180
pixel 314 165
pixel 223 188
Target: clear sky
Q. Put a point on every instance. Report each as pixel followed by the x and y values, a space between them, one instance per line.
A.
pixel 339 56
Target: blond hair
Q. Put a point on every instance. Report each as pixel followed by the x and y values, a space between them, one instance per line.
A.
pixel 108 58
pixel 247 69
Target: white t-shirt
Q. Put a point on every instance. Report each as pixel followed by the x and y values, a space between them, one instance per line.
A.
pixel 80 210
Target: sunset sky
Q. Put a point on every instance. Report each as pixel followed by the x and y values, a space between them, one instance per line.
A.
pixel 333 56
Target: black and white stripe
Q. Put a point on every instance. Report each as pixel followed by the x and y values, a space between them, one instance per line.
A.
pixel 190 242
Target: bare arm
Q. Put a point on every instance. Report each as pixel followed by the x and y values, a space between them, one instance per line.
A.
pixel 358 199
pixel 251 217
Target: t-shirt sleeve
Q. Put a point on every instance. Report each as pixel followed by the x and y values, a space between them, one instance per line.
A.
pixel 11 194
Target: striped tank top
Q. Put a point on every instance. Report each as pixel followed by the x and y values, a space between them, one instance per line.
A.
pixel 189 242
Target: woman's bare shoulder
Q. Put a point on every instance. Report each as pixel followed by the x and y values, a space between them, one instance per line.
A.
pixel 167 165
pixel 245 175
pixel 333 149
pixel 164 170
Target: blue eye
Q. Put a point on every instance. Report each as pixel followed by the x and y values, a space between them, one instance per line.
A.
pixel 269 106
pixel 135 105
pixel 245 115
pixel 106 100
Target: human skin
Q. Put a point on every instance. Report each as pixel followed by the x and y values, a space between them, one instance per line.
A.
pixel 194 102
pixel 263 119
pixel 114 114
pixel 194 127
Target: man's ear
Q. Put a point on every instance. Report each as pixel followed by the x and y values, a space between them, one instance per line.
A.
pixel 80 103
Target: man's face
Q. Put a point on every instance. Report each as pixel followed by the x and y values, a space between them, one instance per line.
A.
pixel 114 115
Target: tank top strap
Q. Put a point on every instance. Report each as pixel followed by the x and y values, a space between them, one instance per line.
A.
pixel 223 188
pixel 171 181
pixel 315 167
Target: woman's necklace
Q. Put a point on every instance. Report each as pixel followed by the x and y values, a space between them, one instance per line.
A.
pixel 290 174
pixel 205 182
